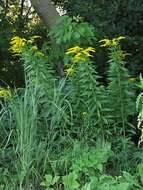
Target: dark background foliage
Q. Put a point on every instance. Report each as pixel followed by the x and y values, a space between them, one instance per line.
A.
pixel 16 18
pixel 110 18
pixel 113 18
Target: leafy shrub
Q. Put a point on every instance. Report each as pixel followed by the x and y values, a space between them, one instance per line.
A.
pixel 87 173
pixel 112 18
pixel 44 120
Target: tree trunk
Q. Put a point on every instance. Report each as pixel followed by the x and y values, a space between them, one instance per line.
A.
pixel 47 12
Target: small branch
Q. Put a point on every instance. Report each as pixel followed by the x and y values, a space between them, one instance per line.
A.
pixel 22 8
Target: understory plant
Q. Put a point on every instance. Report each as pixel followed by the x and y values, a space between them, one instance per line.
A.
pixel 87 95
pixel 37 113
pixel 119 88
pixel 24 115
pixel 89 171
pixel 121 100
pixel 54 124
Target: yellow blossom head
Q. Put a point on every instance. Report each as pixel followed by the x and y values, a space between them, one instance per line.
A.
pixel 34 48
pixel 111 43
pixel 70 71
pixel 74 50
pixel 80 54
pixel 105 42
pixel 114 42
pixel 17 45
pixel 32 39
pixel 39 54
pixel 87 52
pixel 78 58
pixel 121 38
pixel 5 93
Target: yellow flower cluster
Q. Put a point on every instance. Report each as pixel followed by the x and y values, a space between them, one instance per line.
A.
pixel 5 93
pixel 70 71
pixel 17 45
pixel 80 54
pixel 112 42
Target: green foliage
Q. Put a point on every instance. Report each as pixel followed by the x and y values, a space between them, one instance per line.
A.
pixel 24 114
pixel 60 126
pixel 113 18
pixel 89 98
pixel 67 33
pixel 119 89
pixel 16 18
pixel 87 173
pixel 71 32
pixel 49 181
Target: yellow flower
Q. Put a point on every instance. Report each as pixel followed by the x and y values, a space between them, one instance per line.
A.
pixel 74 50
pixel 112 42
pixel 70 71
pixel 29 41
pixel 115 41
pixel 78 58
pixel 121 38
pixel 17 44
pixel 81 54
pixel 78 54
pixel 40 54
pixel 105 42
pixel 35 37
pixel 5 93
pixel 88 50
pixel 32 39
pixel 34 48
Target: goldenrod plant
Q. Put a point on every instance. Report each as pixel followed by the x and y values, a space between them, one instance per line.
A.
pixel 121 100
pixel 78 34
pixel 51 107
pixel 70 132
pixel 120 95
pixel 17 45
pixel 5 93
pixel 88 97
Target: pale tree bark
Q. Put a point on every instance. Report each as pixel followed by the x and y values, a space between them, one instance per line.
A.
pixel 49 15
pixel 47 12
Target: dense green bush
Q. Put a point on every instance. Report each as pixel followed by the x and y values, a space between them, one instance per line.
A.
pixel 112 18
pixel 15 20
pixel 72 132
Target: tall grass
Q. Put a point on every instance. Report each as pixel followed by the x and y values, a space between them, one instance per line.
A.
pixel 51 115
pixel 24 112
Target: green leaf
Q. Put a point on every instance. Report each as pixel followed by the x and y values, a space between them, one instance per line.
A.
pixel 48 178
pixel 55 180
pixel 140 169
pixel 123 186
pixel 70 181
